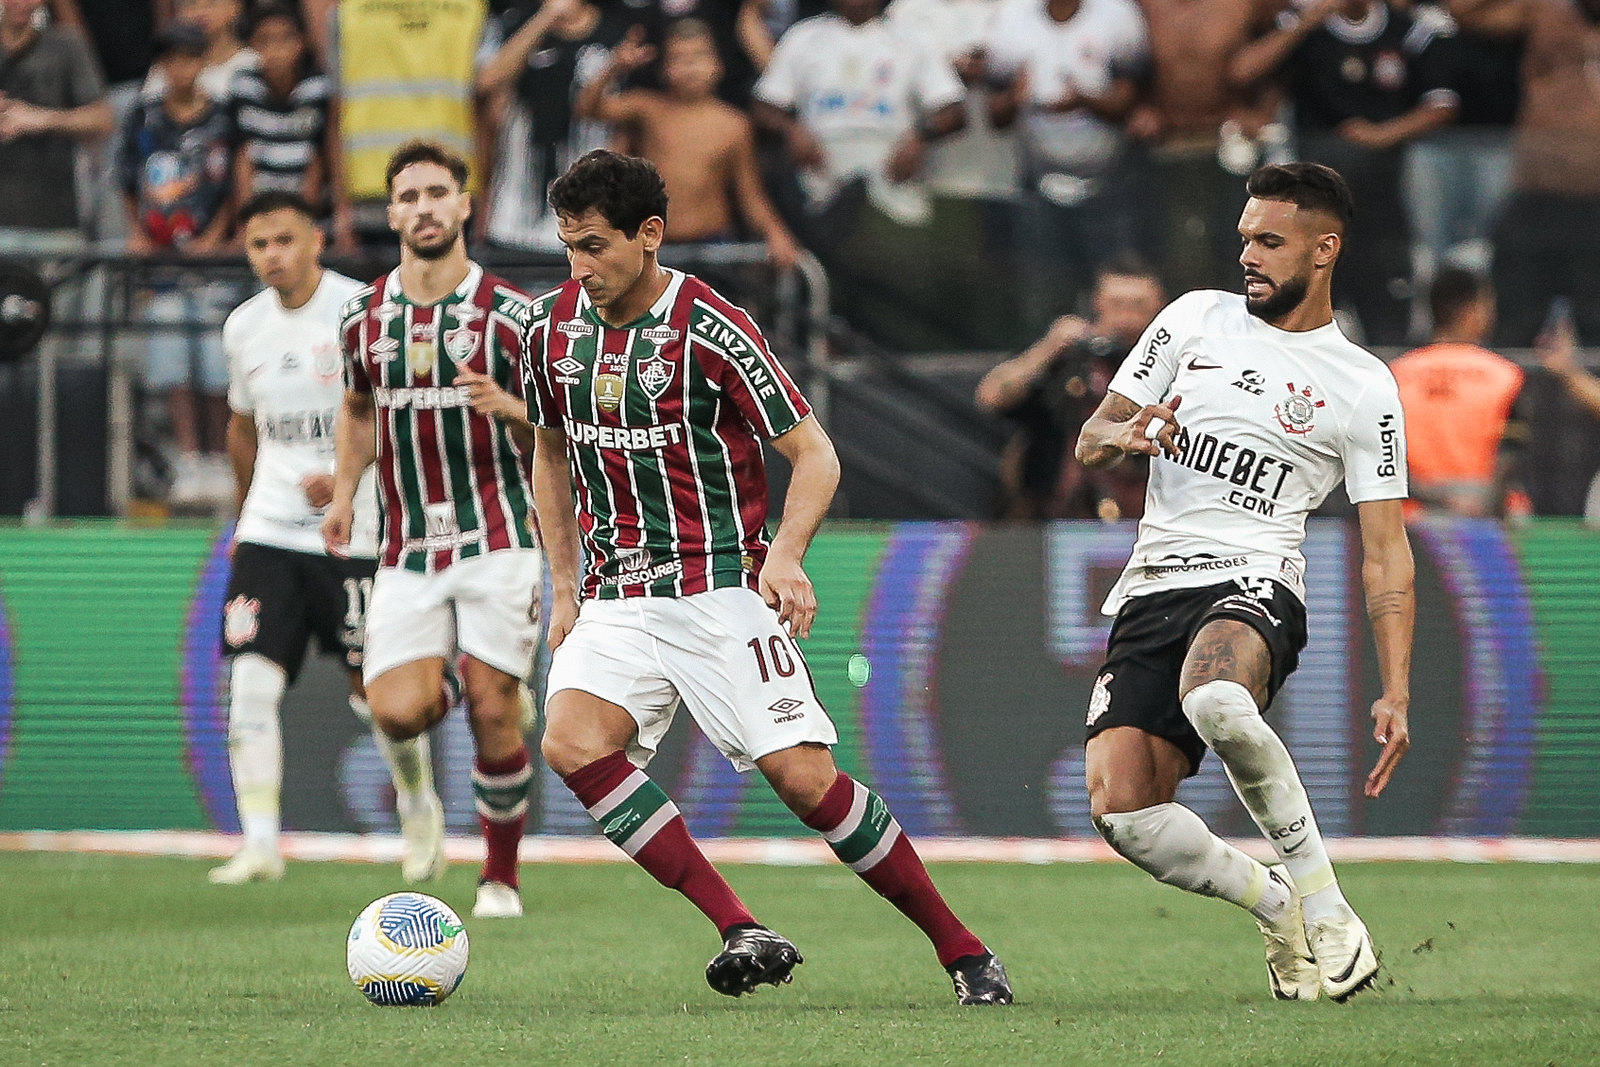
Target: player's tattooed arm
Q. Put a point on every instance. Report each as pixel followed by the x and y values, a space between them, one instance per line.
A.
pixel 1388 575
pixel 1120 427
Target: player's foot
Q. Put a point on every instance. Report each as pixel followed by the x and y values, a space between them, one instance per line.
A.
pixel 1344 955
pixel 752 956
pixel 980 980
pixel 248 865
pixel 496 900
pixel 1291 969
pixel 423 831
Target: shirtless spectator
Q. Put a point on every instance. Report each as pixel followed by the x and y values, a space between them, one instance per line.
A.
pixel 1202 134
pixel 704 148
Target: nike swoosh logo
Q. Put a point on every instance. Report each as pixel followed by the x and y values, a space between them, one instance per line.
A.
pixel 1348 971
pixel 1195 364
pixel 1296 846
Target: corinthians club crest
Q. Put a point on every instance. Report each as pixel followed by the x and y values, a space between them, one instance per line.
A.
pixel 1298 411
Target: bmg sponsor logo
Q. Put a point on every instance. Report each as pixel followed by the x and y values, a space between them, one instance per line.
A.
pixel 1389 439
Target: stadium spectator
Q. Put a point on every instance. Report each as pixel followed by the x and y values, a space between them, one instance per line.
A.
pixel 401 70
pixel 1364 81
pixel 550 51
pixel 1545 244
pixel 739 37
pixel 1457 177
pixel 704 149
pixel 1200 134
pixel 225 54
pixel 52 98
pixel 1054 387
pixel 857 100
pixel 1464 432
pixel 1557 348
pixel 978 161
pixel 280 110
pixel 1067 72
pixel 175 170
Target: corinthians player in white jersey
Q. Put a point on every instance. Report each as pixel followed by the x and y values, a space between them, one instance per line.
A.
pixel 1254 407
pixel 285 383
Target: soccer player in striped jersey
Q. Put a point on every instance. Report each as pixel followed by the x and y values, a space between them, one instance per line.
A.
pixel 652 394
pixel 431 352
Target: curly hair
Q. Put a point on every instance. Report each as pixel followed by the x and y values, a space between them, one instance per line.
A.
pixel 626 190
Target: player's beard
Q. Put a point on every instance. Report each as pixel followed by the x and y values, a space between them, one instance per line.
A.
pixel 1284 297
pixel 438 247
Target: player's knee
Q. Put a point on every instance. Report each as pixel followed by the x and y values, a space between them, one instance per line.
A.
pixel 398 718
pixel 567 750
pixel 1224 714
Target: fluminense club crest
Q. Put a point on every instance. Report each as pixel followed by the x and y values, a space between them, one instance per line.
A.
pixel 1297 412
pixel 655 374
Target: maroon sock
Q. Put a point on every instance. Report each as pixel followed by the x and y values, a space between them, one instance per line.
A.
pixel 639 819
pixel 858 827
pixel 500 789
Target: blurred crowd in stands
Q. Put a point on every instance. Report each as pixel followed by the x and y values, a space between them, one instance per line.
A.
pixel 1046 142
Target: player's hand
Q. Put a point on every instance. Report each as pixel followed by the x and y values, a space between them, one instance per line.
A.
pixel 563 617
pixel 336 526
pixel 1390 729
pixel 1135 436
pixel 787 590
pixel 318 489
pixel 487 397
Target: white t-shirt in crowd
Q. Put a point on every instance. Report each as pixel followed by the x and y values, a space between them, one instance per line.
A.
pixel 1105 40
pixel 858 89
pixel 1270 422
pixel 284 371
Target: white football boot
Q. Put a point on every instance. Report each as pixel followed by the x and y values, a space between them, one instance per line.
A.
pixel 1344 953
pixel 423 832
pixel 1291 969
pixel 248 865
pixel 496 900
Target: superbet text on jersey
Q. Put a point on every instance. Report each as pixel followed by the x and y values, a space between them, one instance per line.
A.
pixel 664 419
pixel 450 481
pixel 1271 421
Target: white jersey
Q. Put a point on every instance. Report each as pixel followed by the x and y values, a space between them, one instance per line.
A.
pixel 1271 421
pixel 284 371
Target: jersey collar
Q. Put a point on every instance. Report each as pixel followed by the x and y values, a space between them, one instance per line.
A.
pixel 468 286
pixel 655 316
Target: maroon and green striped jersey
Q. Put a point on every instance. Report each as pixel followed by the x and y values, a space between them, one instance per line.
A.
pixel 664 419
pixel 451 484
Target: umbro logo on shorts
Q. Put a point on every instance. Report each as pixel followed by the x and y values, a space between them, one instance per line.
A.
pixel 784 710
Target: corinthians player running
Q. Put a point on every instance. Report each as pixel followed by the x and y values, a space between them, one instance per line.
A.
pixel 1254 407
pixel 652 394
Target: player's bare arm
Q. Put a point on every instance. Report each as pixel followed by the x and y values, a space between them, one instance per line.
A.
pixel 1121 427
pixel 784 583
pixel 1388 576
pixel 355 448
pixel 558 528
pixel 241 455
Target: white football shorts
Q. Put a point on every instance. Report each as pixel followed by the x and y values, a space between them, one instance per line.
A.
pixel 486 606
pixel 722 653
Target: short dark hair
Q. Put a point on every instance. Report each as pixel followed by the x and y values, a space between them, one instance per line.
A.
pixel 413 152
pixel 1453 291
pixel 626 190
pixel 1311 186
pixel 275 200
pixel 274 9
pixel 1127 265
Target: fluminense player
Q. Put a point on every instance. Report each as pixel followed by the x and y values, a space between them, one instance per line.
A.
pixel 1277 406
pixel 652 394
pixel 284 387
pixel 431 352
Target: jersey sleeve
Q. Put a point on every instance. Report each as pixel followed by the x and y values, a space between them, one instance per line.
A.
pixel 536 387
pixel 238 391
pixel 749 374
pixel 1374 445
pixel 1152 366
pixel 351 317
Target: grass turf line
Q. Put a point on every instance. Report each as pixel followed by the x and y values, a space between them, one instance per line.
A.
pixel 115 960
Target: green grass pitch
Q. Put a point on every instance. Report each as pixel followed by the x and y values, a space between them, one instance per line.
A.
pixel 112 960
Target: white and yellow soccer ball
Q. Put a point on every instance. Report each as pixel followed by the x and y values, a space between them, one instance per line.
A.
pixel 407 949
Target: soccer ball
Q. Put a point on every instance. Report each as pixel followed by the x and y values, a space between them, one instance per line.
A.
pixel 407 949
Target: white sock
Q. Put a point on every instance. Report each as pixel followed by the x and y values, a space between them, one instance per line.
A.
pixel 255 747
pixel 410 762
pixel 1173 845
pixel 1263 774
